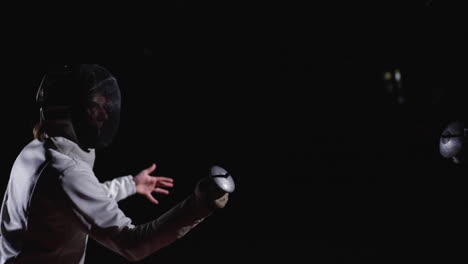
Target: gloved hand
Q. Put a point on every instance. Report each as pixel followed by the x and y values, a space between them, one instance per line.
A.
pixel 214 189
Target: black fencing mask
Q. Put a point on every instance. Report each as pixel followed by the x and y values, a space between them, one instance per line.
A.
pixel 82 103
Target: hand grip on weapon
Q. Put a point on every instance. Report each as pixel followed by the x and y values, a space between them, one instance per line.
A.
pixel 216 187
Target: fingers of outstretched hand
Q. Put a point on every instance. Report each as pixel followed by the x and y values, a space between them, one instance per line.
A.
pixel 160 190
pixel 151 198
pixel 165 179
pixel 164 184
pixel 151 168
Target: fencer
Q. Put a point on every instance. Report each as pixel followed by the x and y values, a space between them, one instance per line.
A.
pixel 54 201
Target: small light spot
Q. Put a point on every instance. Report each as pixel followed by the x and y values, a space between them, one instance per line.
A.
pixel 397 75
pixel 387 76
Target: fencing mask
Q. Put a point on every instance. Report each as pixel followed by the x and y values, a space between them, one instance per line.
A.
pixel 82 103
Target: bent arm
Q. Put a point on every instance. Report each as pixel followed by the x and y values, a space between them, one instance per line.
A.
pixel 107 224
pixel 120 188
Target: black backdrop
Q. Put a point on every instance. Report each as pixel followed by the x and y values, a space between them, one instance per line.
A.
pixel 329 167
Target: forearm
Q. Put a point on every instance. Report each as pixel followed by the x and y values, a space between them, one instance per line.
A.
pixel 120 188
pixel 138 242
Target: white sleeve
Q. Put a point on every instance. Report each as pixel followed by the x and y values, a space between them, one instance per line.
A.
pixel 106 223
pixel 120 188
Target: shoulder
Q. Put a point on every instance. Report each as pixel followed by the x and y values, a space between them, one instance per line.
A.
pixel 68 166
pixel 74 175
pixel 60 161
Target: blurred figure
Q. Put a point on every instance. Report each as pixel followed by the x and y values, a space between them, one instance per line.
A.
pixel 393 85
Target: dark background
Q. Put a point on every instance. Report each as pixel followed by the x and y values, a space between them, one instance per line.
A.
pixel 329 166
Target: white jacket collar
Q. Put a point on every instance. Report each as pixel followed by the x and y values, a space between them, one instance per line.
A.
pixel 71 149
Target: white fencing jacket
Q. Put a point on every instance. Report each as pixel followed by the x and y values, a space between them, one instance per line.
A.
pixel 53 201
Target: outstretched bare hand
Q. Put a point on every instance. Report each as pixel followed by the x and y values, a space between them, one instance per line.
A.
pixel 147 184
